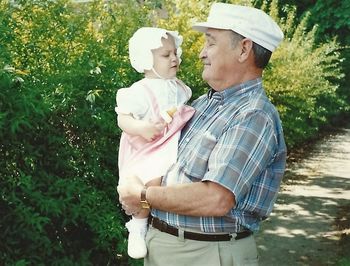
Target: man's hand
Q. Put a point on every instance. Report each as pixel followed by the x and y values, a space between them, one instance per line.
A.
pixel 130 195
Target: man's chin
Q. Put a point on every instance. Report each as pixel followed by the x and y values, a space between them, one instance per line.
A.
pixel 205 74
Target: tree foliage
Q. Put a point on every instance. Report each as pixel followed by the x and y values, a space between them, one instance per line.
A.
pixel 60 66
pixel 330 19
pixel 303 79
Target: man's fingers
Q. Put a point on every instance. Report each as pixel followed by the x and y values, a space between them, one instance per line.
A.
pixel 129 195
pixel 128 213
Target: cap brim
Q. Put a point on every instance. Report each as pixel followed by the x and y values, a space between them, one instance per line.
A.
pixel 203 26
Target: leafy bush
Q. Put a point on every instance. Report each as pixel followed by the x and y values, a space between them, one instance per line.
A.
pixel 59 139
pixel 60 67
pixel 302 80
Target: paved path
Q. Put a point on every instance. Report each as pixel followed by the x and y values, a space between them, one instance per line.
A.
pixel 311 217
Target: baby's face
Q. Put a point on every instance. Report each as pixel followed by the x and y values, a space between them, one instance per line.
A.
pixel 165 60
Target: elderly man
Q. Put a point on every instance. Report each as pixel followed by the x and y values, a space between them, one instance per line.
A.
pixel 231 155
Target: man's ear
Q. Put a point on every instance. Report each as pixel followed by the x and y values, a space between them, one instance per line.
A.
pixel 246 49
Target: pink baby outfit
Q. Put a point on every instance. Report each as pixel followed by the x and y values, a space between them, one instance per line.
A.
pixel 146 99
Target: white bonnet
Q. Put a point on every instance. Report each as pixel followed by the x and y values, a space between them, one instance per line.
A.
pixel 144 41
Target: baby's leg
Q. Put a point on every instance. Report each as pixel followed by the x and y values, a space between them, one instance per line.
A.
pixel 137 228
pixel 154 182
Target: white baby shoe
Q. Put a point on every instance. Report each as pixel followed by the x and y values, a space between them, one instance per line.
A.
pixel 136 241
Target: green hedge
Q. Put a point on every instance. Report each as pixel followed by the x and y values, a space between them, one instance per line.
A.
pixel 60 67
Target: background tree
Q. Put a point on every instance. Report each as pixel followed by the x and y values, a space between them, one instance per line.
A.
pixel 60 66
pixel 332 20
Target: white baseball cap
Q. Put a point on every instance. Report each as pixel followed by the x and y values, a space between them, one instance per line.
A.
pixel 249 22
pixel 144 41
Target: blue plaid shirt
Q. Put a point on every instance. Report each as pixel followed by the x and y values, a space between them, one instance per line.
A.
pixel 235 139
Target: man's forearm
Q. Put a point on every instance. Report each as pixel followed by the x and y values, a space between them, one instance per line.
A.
pixel 194 199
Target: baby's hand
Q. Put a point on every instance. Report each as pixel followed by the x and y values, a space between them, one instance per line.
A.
pixel 152 130
pixel 167 115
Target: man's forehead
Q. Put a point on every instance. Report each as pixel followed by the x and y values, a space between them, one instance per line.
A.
pixel 210 35
pixel 215 33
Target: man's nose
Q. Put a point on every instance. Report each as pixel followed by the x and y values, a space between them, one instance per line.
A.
pixel 203 53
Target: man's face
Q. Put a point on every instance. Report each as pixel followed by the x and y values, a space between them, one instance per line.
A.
pixel 165 60
pixel 219 58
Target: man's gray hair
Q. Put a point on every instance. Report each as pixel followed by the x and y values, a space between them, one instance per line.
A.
pixel 261 55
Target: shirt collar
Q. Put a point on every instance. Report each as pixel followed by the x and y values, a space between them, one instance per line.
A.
pixel 236 90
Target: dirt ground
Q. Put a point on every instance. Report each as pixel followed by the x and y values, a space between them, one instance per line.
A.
pixel 310 224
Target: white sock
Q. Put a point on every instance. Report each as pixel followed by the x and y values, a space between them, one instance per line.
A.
pixel 140 221
pixel 139 224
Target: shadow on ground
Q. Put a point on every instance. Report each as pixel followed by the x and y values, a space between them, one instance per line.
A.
pixel 310 224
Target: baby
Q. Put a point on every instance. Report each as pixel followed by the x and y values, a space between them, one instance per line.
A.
pixel 151 114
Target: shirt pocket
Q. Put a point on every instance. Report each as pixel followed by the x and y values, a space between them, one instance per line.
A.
pixel 196 164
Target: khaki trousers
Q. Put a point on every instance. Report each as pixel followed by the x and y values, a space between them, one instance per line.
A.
pixel 167 250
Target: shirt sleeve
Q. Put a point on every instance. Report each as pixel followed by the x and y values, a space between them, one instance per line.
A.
pixel 132 101
pixel 242 153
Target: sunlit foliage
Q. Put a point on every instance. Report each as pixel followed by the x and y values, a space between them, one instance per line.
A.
pixel 60 66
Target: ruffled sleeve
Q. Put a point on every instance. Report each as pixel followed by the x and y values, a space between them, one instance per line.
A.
pixel 132 101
